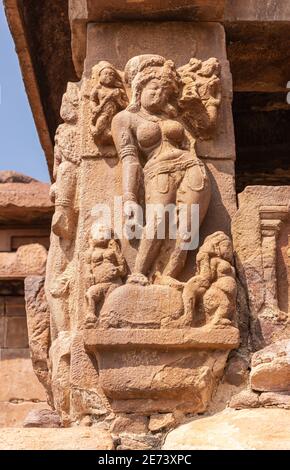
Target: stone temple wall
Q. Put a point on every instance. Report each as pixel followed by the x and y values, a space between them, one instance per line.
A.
pixel 24 240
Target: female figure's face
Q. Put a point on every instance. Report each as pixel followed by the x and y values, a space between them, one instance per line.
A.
pixel 107 77
pixel 154 97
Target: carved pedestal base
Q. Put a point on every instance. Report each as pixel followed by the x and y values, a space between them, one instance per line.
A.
pixel 145 367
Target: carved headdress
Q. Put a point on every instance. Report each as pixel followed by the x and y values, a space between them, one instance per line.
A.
pixel 140 70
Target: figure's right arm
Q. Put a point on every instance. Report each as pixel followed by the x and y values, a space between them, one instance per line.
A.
pixel 126 146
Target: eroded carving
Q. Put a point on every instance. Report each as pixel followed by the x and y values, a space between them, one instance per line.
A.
pixel 156 147
pixel 108 97
pixel 107 268
pixel 66 162
pixel 141 339
pixel 210 296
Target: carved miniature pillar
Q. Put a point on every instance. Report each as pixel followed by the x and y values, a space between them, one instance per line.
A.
pixel 271 220
pixel 260 234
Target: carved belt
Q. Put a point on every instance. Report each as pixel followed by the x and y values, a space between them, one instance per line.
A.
pixel 170 167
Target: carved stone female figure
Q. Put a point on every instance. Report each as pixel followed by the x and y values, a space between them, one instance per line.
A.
pixel 154 145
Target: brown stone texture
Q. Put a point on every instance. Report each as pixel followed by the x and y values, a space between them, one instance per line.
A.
pixel 234 430
pixel 257 10
pixel 161 422
pixel 13 415
pixel 133 336
pixel 38 329
pixel 42 419
pixel 120 311
pixel 193 41
pixel 28 260
pixel 137 442
pixel 271 368
pixel 245 399
pixel 275 399
pixel 129 423
pixel 24 386
pixel 82 13
pixel 250 399
pixel 257 34
pixel 260 230
pixel 55 439
pixel 237 370
pixel 23 199
pixel 20 391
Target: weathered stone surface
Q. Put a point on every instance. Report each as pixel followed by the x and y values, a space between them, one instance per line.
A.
pixel 38 322
pixel 260 252
pixel 257 10
pixel 130 328
pixel 250 42
pixel 245 399
pixel 82 13
pixel 271 368
pixel 278 399
pixel 9 176
pixel 18 381
pixel 237 370
pixel 49 30
pixel 135 442
pixel 154 307
pixel 23 198
pixel 193 338
pixel 12 415
pixel 16 336
pixel 129 423
pixel 28 260
pixel 42 419
pixel 55 439
pixel 259 429
pixel 191 43
pixel 160 422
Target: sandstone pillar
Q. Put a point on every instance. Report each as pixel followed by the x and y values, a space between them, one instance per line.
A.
pixel 144 325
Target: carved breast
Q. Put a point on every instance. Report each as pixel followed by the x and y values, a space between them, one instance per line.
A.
pixel 149 135
pixel 173 131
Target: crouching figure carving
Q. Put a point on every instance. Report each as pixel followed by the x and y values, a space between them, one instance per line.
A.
pixel 210 296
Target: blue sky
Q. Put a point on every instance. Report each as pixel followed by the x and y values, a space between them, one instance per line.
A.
pixel 20 149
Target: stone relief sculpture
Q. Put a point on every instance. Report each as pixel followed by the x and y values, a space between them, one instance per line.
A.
pixel 66 162
pixel 142 339
pixel 210 296
pixel 107 269
pixel 151 131
pixel 107 98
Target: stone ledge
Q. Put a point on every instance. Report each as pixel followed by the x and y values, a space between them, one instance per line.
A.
pixel 55 439
pixel 191 338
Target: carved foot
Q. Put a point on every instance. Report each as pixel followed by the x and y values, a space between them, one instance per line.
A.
pixel 168 281
pixel 138 278
pixel 62 223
